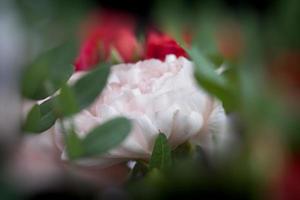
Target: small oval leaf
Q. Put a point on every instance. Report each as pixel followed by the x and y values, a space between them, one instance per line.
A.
pixel 67 103
pixel 106 136
pixel 161 155
pixel 74 145
pixel 32 119
pixel 40 117
pixel 89 87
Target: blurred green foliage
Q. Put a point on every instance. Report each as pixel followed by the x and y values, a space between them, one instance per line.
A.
pixel 211 81
pixel 244 87
pixel 48 72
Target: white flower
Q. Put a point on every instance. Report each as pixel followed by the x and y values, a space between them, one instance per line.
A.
pixel 158 97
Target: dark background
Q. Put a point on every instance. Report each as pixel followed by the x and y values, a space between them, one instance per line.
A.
pixel 142 8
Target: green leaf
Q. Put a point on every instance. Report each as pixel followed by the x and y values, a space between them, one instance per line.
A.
pixel 208 78
pixel 40 118
pixel 106 136
pixel 216 59
pixel 89 87
pixel 161 155
pixel 48 72
pixel 33 78
pixel 205 69
pixel 74 145
pixel 32 119
pixel 70 100
pixel 67 104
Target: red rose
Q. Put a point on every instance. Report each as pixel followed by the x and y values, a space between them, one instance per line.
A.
pixel 159 45
pixel 127 45
pixel 103 32
pixel 89 55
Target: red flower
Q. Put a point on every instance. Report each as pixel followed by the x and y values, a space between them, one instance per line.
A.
pixel 288 187
pixel 127 45
pixel 159 45
pixel 230 40
pixel 286 69
pixel 103 32
pixel 285 74
pixel 187 37
pixel 89 55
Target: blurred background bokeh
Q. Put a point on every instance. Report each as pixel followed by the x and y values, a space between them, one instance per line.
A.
pixel 257 41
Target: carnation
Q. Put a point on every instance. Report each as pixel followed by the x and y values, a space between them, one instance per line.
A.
pixel 158 97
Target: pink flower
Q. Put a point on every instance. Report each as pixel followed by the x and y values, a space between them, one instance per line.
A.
pixel 103 32
pixel 158 97
pixel 160 45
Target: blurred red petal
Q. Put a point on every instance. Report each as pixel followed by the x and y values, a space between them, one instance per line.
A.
pixel 159 45
pixel 88 55
pixel 103 31
pixel 289 181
